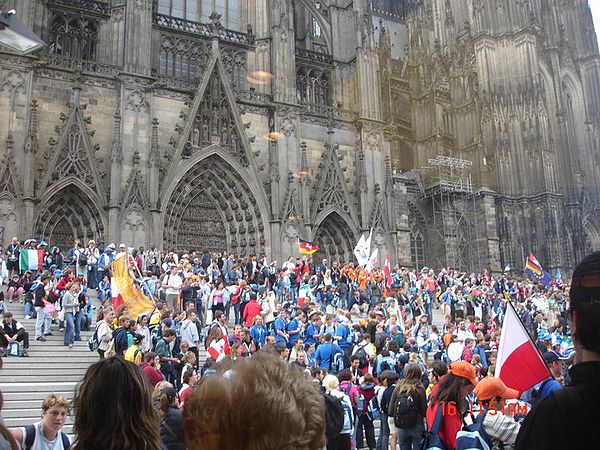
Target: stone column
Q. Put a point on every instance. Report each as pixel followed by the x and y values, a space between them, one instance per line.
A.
pixel 116 174
pixel 28 174
pixel 138 17
pixel 283 59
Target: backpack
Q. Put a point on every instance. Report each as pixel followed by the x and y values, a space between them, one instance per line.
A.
pixel 534 396
pixel 334 416
pixel 362 356
pixel 406 411
pixel 13 349
pixel 337 363
pixel 473 437
pixel 30 432
pixel 360 403
pixel 93 343
pixel 432 440
pixel 373 410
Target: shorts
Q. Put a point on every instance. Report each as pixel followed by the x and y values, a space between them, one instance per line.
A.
pixel 12 265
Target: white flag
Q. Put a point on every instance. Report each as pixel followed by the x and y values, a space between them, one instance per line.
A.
pixel 372 261
pixel 361 252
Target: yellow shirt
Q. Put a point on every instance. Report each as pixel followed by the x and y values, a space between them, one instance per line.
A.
pixel 134 354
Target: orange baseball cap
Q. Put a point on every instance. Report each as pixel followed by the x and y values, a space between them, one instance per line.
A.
pixel 463 369
pixel 491 387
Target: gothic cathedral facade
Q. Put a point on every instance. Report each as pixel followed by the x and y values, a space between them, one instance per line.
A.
pixel 464 133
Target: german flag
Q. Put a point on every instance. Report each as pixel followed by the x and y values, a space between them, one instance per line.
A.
pixel 307 247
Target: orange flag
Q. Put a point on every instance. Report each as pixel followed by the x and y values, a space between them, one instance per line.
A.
pixel 125 291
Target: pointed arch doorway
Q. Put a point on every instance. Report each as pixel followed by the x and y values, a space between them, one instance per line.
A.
pixel 69 214
pixel 212 206
pixel 336 239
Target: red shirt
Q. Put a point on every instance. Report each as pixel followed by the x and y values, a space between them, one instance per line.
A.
pixel 451 424
pixel 251 310
pixel 153 374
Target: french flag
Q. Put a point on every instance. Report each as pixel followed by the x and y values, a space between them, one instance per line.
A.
pixel 519 364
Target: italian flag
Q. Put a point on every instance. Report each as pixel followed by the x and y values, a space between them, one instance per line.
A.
pixel 31 259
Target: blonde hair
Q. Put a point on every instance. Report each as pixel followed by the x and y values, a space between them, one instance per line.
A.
pixel 157 393
pixel 295 405
pixel 331 382
pixel 55 401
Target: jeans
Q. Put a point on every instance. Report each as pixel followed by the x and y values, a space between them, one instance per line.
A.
pixel 237 312
pixel 369 432
pixel 28 309
pixel 383 442
pixel 92 276
pixel 42 322
pixel 70 328
pixel 428 312
pixel 411 438
pixel 78 321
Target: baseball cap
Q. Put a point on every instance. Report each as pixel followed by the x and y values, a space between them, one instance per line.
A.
pixel 168 323
pixel 552 356
pixel 463 369
pixel 491 387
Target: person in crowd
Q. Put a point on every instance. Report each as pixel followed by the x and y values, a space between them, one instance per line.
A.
pixel 567 417
pixel 365 429
pixel 151 368
pixel 117 418
pixel 388 380
pixel 189 381
pixel 172 284
pixel 12 331
pixel 406 409
pixel 171 424
pixel 70 302
pixel 326 352
pixel 47 433
pixel 7 440
pixel 295 405
pixel 452 390
pixel 134 352
pixel 43 319
pixel 104 330
pixel 343 441
pixel 499 421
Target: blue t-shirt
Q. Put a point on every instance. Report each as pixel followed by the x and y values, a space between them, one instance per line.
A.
pixel 548 388
pixel 311 330
pixel 342 332
pixel 259 334
pixel 293 326
pixel 324 354
pixel 280 324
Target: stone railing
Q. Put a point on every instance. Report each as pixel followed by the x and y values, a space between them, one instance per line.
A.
pixel 202 29
pixel 79 65
pixel 101 8
pixel 252 96
pixel 329 112
pixel 312 56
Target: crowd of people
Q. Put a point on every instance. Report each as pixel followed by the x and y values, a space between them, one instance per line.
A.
pixel 368 342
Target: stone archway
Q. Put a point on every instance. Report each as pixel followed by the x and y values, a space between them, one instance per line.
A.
pixel 68 214
pixel 213 207
pixel 335 238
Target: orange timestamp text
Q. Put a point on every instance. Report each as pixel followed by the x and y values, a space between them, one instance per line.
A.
pixel 493 408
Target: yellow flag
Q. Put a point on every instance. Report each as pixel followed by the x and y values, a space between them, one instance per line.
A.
pixel 125 291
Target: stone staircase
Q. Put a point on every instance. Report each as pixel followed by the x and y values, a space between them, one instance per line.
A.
pixel 50 368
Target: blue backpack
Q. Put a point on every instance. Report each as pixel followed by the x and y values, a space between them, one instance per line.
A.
pixel 432 440
pixel 474 437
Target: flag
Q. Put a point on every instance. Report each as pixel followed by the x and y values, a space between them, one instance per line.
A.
pixel 219 349
pixel 307 247
pixel 387 270
pixel 359 251
pixel 507 268
pixel 31 259
pixel 519 363
pixel 372 261
pixel 125 291
pixel 557 275
pixel 534 268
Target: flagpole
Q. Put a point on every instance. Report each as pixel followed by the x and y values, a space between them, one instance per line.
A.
pixel 141 277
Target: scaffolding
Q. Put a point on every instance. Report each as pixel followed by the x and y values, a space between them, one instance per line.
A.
pixel 449 187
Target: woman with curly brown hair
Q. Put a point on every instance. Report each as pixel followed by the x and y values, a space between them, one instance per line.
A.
pixel 113 409
pixel 259 403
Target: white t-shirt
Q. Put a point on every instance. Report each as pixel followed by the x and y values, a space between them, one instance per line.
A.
pixel 40 443
pixel 175 282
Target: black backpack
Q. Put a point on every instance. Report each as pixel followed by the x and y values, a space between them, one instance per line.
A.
pixel 334 416
pixel 406 410
pixel 535 393
pixel 361 354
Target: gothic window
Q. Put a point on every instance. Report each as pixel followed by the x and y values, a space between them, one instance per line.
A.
pixel 182 58
pixel 417 243
pixel 313 85
pixel 75 37
pixel 200 10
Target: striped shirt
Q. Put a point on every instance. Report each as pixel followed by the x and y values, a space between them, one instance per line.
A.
pixel 499 427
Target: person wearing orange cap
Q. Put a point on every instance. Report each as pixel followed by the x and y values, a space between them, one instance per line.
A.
pixel 499 420
pixel 450 402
